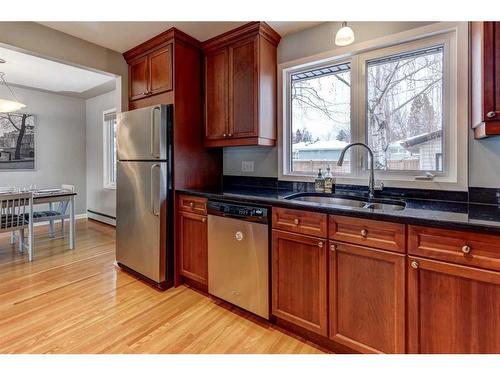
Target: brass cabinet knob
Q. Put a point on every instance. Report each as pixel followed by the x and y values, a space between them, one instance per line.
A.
pixel 204 220
pixel 320 244
pixel 333 247
pixel 364 233
pixel 296 221
pixel 491 114
pixel 224 135
pixel 466 249
pixel 229 135
pixel 414 264
pixel 191 204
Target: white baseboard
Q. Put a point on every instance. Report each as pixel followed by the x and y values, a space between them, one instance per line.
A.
pixel 101 218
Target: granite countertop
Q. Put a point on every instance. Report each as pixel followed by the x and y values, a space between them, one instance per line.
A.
pixel 438 213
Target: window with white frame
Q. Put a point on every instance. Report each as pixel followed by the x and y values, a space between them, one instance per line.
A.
pixel 400 100
pixel 109 138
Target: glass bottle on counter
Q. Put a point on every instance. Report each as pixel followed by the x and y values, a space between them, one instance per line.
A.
pixel 329 181
pixel 319 183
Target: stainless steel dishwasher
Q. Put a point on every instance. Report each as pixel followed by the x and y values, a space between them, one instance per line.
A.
pixel 238 255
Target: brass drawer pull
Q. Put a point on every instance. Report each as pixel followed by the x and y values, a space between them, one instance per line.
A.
pixel 204 220
pixel 491 114
pixel 333 247
pixel 364 233
pixel 320 244
pixel 466 249
pixel 296 221
pixel 414 264
pixel 191 204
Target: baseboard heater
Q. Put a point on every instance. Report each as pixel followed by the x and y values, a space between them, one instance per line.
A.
pixel 99 216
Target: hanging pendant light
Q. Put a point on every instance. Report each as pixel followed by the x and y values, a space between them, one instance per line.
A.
pixel 344 36
pixel 7 105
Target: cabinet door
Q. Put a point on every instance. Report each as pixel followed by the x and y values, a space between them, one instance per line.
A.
pixel 216 94
pixel 193 247
pixel 160 70
pixel 491 77
pixel 243 89
pixel 299 282
pixel 367 298
pixel 452 308
pixel 138 74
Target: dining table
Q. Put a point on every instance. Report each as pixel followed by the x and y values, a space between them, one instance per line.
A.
pixel 51 196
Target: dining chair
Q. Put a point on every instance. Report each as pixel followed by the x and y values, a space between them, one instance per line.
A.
pixel 16 214
pixel 54 213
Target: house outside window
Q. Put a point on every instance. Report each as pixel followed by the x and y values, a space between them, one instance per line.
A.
pixel 404 100
pixel 109 140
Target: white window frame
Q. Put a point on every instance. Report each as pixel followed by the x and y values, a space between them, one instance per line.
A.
pixel 107 183
pixel 454 36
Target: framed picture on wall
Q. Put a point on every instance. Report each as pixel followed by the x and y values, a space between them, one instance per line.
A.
pixel 17 141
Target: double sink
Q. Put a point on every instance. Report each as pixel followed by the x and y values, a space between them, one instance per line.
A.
pixel 349 201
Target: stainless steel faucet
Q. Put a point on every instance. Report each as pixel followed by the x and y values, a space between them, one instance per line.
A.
pixel 371 181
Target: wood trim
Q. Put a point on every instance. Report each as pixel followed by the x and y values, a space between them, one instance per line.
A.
pixel 192 204
pixel 484 130
pixel 248 141
pixel 251 28
pixel 164 38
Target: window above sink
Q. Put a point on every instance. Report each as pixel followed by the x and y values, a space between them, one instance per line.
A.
pixel 403 95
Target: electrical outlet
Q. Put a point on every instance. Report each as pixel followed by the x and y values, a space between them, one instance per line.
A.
pixel 247 166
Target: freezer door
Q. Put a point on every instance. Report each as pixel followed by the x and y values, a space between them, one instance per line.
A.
pixel 141 215
pixel 142 133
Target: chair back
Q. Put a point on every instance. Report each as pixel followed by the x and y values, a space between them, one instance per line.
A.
pixel 14 207
pixel 63 206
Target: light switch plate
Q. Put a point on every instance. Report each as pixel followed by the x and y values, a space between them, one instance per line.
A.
pixel 247 166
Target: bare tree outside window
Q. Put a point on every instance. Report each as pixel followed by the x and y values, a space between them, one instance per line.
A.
pixel 404 110
pixel 320 117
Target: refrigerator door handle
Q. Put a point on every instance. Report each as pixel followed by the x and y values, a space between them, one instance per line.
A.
pixel 153 134
pixel 154 183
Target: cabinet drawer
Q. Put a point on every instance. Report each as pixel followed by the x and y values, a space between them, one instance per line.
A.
pixel 468 248
pixel 371 233
pixel 297 221
pixel 197 205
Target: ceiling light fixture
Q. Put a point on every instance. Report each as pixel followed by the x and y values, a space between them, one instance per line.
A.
pixel 5 104
pixel 344 36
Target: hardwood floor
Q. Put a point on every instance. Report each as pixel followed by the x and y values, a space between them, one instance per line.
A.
pixel 80 302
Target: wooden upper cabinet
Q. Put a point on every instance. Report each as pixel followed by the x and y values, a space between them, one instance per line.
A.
pixel 367 298
pixel 216 98
pixel 299 280
pixel 452 308
pixel 138 78
pixel 485 79
pixel 160 70
pixel 243 86
pixel 240 87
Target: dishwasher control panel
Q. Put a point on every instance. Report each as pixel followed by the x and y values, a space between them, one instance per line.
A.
pixel 242 212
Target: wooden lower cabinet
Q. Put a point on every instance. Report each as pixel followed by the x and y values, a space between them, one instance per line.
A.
pixel 367 298
pixel 193 247
pixel 452 308
pixel 299 280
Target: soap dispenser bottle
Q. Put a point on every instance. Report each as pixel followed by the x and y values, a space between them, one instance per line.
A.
pixel 319 183
pixel 329 181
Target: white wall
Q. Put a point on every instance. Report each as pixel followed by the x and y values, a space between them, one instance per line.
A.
pixel 98 199
pixel 294 46
pixel 59 144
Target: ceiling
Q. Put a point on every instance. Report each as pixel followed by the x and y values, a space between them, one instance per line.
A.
pixel 26 70
pixel 121 36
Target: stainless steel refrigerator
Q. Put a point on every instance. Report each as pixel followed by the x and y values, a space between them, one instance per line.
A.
pixel 144 243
